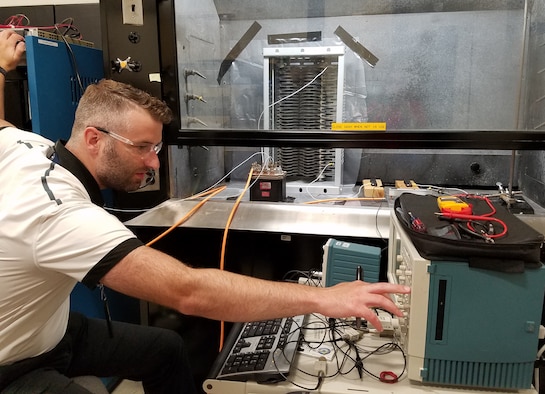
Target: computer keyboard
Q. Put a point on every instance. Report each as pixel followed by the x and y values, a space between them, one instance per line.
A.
pixel 261 351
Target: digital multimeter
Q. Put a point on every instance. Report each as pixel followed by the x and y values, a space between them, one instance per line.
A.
pixel 453 204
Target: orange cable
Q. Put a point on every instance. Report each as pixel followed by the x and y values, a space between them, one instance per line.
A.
pixel 224 243
pixel 207 192
pixel 211 193
pixel 346 199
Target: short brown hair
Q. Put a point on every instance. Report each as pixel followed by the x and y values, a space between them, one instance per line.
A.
pixel 104 103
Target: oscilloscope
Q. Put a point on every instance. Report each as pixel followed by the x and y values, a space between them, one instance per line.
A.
pixel 465 326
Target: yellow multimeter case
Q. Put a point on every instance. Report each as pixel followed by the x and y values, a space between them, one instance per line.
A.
pixel 453 204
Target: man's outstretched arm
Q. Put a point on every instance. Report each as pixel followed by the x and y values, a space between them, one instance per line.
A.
pixel 151 275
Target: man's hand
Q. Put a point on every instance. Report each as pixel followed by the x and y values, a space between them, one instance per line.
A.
pixel 12 48
pixel 358 298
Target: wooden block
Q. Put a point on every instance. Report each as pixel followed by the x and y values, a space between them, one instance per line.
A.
pixel 403 184
pixel 372 188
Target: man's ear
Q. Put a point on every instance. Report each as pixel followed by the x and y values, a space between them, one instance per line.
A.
pixel 92 138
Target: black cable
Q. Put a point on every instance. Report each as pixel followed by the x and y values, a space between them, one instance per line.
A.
pixel 310 275
pixel 320 378
pixel 378 351
pixel 342 355
pixel 359 362
pixel 73 59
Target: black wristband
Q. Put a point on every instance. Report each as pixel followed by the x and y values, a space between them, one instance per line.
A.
pixel 3 71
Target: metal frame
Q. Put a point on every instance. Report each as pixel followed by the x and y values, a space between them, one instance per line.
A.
pixel 332 51
pixel 394 139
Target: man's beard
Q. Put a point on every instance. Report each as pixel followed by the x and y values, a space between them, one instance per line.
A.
pixel 115 173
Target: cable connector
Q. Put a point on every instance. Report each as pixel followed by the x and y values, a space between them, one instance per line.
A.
pixel 350 334
pixel 320 366
pixel 312 281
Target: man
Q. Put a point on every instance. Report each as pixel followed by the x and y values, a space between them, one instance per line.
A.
pixel 55 233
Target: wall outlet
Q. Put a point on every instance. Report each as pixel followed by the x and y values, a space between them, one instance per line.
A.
pixel 133 12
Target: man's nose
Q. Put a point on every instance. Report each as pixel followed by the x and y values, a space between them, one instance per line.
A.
pixel 152 160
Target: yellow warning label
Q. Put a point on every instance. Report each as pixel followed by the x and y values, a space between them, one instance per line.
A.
pixel 376 126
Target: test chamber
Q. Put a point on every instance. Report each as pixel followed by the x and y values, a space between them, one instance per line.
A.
pixel 429 67
pixel 425 78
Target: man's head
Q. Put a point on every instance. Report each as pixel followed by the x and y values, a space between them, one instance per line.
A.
pixel 117 133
